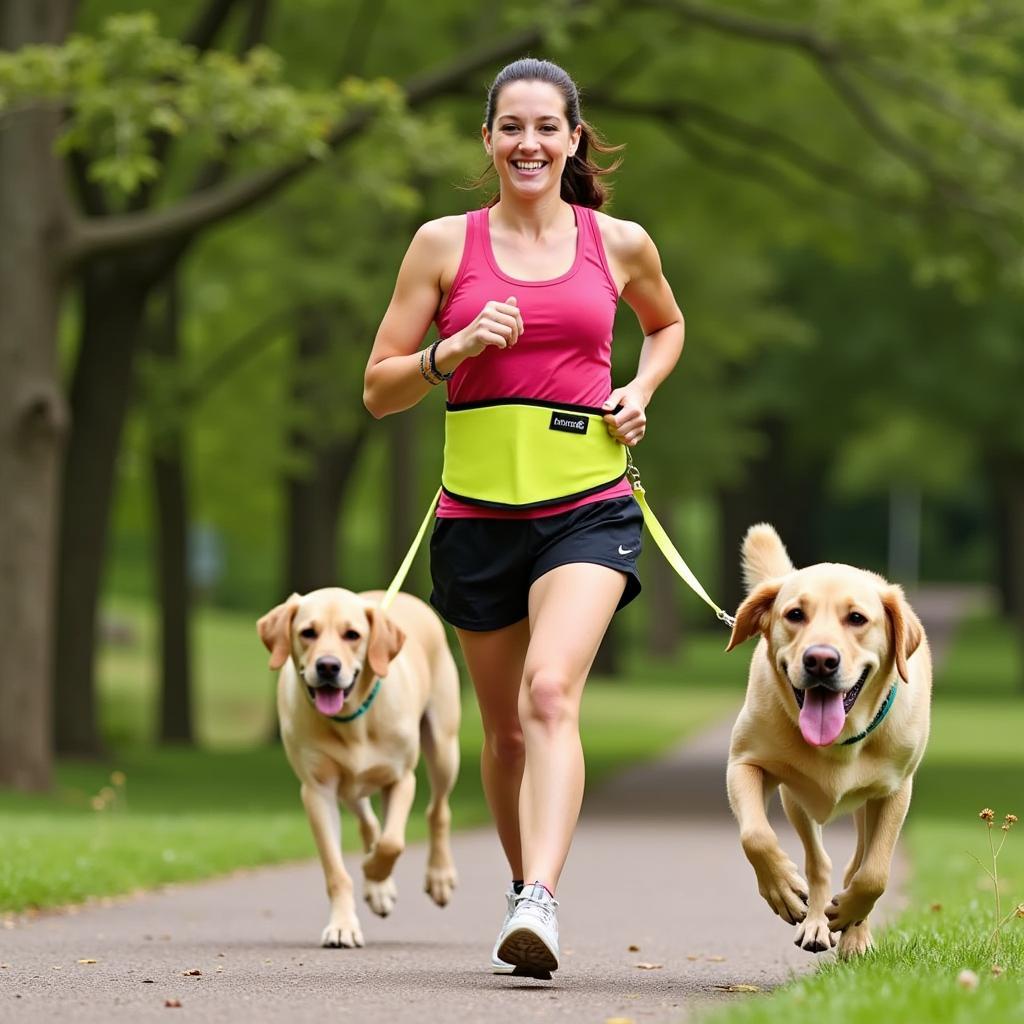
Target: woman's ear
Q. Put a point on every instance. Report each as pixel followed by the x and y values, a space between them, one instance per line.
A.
pixel 754 614
pixel 275 629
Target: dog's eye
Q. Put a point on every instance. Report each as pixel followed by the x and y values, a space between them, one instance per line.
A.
pixel 856 619
pixel 794 615
pixel 350 634
pixel 309 633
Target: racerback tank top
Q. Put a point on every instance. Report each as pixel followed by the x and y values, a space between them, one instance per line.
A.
pixel 564 354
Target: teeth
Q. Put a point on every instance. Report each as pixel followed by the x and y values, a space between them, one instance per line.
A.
pixel 528 165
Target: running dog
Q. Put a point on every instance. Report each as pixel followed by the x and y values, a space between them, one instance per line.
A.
pixel 359 691
pixel 836 716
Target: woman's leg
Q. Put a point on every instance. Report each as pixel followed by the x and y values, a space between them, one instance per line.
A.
pixel 495 661
pixel 570 608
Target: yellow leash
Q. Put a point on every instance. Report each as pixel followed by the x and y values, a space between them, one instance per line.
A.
pixel 668 549
pixel 656 530
pixel 403 569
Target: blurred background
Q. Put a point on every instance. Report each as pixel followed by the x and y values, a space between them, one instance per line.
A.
pixel 204 206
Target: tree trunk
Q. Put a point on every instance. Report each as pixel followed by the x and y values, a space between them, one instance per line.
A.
pixel 33 414
pixel 777 491
pixel 404 513
pixel 1009 554
pixel 170 494
pixel 665 613
pixel 315 496
pixel 113 305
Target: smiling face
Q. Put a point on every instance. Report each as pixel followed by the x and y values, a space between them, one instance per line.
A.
pixel 330 635
pixel 834 633
pixel 530 139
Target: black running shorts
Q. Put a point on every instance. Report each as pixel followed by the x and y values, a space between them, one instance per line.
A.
pixel 482 569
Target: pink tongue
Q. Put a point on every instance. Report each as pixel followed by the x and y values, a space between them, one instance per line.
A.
pixel 822 716
pixel 328 700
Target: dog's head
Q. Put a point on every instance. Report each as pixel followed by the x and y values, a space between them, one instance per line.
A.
pixel 330 635
pixel 836 637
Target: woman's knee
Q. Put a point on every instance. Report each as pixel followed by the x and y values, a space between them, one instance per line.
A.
pixel 548 697
pixel 506 746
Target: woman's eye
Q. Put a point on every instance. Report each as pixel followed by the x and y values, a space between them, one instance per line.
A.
pixel 794 615
pixel 309 633
pixel 856 619
pixel 350 634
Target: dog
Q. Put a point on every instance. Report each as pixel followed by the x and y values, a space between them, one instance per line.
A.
pixel 392 676
pixel 836 716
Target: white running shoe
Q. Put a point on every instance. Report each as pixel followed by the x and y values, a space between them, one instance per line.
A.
pixel 498 966
pixel 529 941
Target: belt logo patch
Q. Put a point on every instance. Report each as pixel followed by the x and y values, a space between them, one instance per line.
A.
pixel 569 423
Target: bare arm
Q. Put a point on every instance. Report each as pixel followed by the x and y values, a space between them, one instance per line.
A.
pixel 650 296
pixel 393 380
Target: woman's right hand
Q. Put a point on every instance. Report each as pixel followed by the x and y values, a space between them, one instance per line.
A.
pixel 497 325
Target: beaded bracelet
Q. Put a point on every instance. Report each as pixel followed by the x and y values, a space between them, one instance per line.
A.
pixel 433 363
pixel 425 372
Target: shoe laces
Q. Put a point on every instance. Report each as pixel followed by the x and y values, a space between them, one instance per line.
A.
pixel 542 906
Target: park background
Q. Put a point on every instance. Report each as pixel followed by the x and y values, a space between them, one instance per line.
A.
pixel 203 207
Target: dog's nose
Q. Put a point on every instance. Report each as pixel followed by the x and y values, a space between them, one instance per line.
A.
pixel 328 667
pixel 821 660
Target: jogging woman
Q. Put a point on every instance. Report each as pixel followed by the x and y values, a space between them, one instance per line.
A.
pixel 535 543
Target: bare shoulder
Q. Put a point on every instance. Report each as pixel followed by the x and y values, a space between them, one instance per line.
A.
pixel 440 237
pixel 625 241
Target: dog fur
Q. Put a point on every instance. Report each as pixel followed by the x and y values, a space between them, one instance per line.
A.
pixel 335 640
pixel 799 614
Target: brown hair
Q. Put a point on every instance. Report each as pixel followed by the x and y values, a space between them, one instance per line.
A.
pixel 580 176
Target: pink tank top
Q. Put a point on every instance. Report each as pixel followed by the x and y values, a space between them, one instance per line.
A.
pixel 564 354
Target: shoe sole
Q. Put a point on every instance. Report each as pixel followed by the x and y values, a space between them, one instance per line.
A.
pixel 502 968
pixel 528 953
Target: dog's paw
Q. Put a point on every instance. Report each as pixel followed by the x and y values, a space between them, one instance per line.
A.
pixel 784 891
pixel 439 884
pixel 855 941
pixel 851 906
pixel 814 935
pixel 343 934
pixel 381 895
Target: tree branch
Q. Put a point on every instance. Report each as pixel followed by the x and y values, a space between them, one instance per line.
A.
pixel 208 23
pixel 92 237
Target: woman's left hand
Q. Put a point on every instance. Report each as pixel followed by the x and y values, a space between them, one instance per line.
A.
pixel 629 424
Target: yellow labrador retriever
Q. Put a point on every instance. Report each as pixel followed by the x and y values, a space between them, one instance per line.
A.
pixel 360 690
pixel 836 716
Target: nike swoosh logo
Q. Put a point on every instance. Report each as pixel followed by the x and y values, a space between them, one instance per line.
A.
pixel 625 551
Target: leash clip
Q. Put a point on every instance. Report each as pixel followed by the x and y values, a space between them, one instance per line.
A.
pixel 632 473
pixel 724 616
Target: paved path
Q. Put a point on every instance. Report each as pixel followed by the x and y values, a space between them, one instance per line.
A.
pixel 656 864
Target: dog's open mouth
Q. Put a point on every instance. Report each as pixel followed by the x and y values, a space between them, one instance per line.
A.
pixel 823 711
pixel 330 699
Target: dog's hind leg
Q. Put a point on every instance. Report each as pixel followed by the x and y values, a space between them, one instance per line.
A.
pixel 440 743
pixel 813 932
pixel 369 826
pixel 379 886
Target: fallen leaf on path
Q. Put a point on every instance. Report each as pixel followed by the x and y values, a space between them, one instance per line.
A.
pixel 738 988
pixel 693 956
pixel 650 967
pixel 87 961
pixel 148 981
pixel 172 1002
pixel 194 973
pixel 716 958
pixel 633 948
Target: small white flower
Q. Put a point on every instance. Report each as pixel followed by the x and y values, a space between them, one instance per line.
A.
pixel 967 979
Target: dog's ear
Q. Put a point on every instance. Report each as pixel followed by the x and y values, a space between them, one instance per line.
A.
pixel 907 631
pixel 386 641
pixel 752 615
pixel 275 629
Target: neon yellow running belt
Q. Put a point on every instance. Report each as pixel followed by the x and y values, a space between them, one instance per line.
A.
pixel 525 453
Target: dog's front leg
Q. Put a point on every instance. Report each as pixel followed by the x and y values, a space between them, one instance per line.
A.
pixel 882 820
pixel 778 879
pixel 379 888
pixel 321 803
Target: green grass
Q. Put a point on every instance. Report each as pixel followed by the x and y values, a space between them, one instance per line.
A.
pixel 188 814
pixel 973 761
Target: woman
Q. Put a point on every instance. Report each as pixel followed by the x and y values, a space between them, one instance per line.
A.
pixel 523 294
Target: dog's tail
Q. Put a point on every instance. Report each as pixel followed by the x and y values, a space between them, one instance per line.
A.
pixel 764 555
